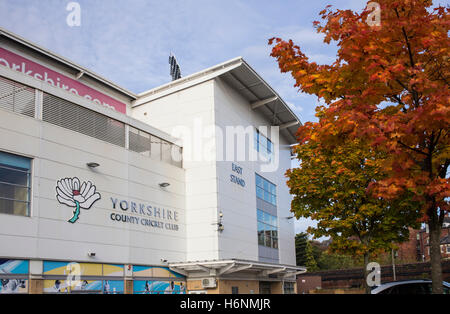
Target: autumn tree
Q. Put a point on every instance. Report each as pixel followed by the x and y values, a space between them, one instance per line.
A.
pixel 301 240
pixel 330 186
pixel 311 264
pixel 389 85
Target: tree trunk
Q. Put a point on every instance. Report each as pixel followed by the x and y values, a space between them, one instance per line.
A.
pixel 435 255
pixel 366 262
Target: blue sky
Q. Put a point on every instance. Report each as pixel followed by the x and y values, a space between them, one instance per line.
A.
pixel 128 42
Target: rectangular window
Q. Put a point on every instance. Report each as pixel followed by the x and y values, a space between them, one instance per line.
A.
pixel 166 151
pixel 15 188
pixel 140 141
pixel 289 288
pixel 263 145
pixel 267 229
pixel 71 116
pixel 154 147
pixel 16 97
pixel 265 190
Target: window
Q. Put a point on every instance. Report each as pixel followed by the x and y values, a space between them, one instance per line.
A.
pixel 264 287
pixel 82 120
pixel 263 145
pixel 140 141
pixel 234 290
pixel 448 249
pixel 154 147
pixel 15 185
pixel 267 230
pixel 415 288
pixel 16 97
pixel 71 116
pixel 266 190
pixel 289 288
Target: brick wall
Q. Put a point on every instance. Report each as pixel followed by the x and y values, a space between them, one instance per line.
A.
pixel 353 278
pixel 409 252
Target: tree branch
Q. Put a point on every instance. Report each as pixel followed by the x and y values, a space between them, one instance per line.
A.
pixel 413 149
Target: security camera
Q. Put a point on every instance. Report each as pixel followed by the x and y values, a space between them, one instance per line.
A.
pixel 91 254
pixel 220 214
pixel 163 260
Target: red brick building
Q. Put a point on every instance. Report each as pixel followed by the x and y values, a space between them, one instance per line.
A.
pixel 418 246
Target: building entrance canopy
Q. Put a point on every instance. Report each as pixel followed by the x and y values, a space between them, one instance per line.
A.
pixel 238 269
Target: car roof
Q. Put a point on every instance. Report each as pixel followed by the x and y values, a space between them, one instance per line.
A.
pixel 387 285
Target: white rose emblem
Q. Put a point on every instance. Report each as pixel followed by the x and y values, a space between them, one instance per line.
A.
pixel 71 193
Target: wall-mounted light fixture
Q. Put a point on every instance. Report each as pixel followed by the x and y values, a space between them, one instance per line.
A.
pixel 92 164
pixel 164 184
pixel 289 218
pixel 220 226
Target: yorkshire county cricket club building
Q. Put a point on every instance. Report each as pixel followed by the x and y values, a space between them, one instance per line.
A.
pixel 107 191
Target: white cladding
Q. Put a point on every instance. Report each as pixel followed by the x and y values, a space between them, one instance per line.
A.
pixel 198 192
pixel 59 153
pixel 184 108
pixel 208 187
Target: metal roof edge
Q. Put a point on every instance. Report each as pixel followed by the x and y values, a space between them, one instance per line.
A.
pixel 65 61
pixel 188 81
pixel 271 89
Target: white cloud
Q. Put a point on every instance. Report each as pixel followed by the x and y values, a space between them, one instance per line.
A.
pixel 129 42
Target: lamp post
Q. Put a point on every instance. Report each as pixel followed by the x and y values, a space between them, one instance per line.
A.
pixel 393 264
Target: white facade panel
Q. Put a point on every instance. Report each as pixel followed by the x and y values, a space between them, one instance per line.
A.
pixel 233 110
pixel 185 114
pixel 58 153
pixel 207 209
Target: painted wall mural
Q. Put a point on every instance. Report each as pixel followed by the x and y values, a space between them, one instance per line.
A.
pixel 9 284
pixel 84 286
pixel 154 271
pixel 158 287
pixel 71 277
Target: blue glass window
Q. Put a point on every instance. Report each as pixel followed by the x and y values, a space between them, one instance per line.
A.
pixel 263 145
pixel 266 190
pixel 267 229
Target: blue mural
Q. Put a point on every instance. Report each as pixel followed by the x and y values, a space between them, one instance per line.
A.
pixel 158 287
pixel 16 267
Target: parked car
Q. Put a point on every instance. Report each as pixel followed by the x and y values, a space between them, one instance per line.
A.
pixel 408 287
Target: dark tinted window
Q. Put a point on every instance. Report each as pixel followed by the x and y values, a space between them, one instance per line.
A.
pixel 446 290
pixel 415 288
pixel 411 288
pixel 392 290
pixel 15 184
